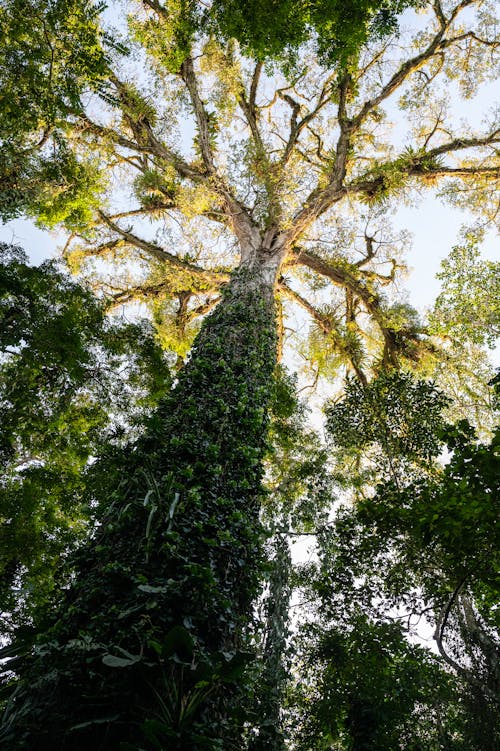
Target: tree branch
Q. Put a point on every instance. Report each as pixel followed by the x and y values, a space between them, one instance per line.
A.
pixel 249 107
pixel 321 199
pixel 441 623
pixel 410 66
pixel 327 326
pixel 458 144
pixel 425 165
pixel 318 201
pixel 244 228
pixel 197 272
pixel 201 115
pixel 297 126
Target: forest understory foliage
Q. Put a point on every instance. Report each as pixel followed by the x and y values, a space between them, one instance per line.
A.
pixel 230 170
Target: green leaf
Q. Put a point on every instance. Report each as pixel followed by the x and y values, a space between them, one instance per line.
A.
pixel 179 642
pixel 119 662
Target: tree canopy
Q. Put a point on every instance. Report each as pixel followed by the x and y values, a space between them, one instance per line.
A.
pixel 215 143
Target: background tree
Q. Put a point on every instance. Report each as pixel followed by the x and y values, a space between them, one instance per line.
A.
pixel 365 687
pixel 417 547
pixel 466 319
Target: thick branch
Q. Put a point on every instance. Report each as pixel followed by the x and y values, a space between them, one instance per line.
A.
pixel 210 277
pixel 489 646
pixel 157 7
pixel 152 291
pixel 410 66
pixel 346 129
pixel 426 165
pixel 93 252
pixel 243 226
pixel 458 144
pixel 249 107
pixel 321 199
pixel 201 115
pixel 294 126
pixel 370 187
pixel 327 326
pixel 254 85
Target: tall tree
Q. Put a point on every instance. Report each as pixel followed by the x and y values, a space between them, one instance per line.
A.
pixel 148 638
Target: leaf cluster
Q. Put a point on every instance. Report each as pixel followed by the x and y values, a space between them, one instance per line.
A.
pixel 395 414
pixel 275 30
pixel 467 308
pixel 373 691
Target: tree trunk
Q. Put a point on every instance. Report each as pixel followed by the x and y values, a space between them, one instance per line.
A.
pixel 148 643
pixel 270 689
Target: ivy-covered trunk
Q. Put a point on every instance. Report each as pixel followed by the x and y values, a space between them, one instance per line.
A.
pixel 147 647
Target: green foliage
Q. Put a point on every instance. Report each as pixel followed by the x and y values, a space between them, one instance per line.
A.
pixel 271 669
pixel 146 648
pixel 52 53
pixel 299 491
pixel 387 180
pixel 54 188
pixel 395 416
pixel 447 514
pixel 298 477
pixel 61 399
pixel 419 547
pixel 169 43
pixel 67 191
pixel 270 30
pixel 468 308
pixel 153 186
